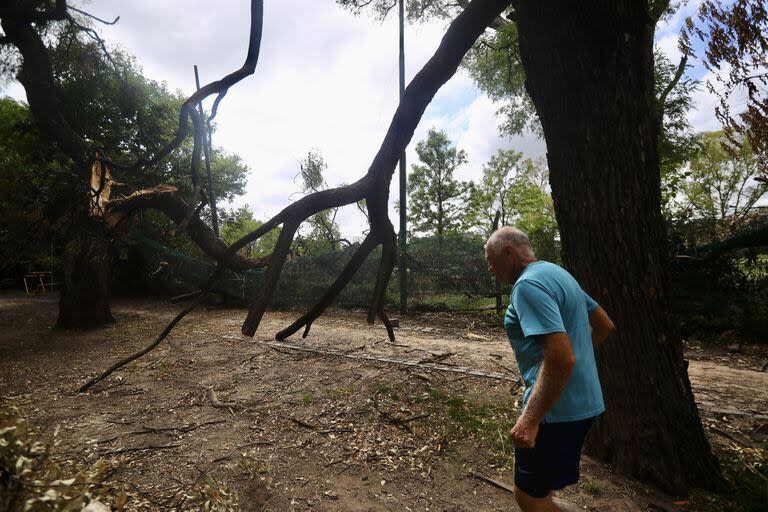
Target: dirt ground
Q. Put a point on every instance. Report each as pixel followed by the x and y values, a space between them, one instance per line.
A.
pixel 341 420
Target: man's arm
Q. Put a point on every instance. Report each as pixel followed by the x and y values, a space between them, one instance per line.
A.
pixel 553 375
pixel 601 325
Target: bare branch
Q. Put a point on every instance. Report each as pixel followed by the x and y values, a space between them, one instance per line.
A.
pixel 84 13
pixel 191 307
pixel 219 87
pixel 374 186
pixel 661 103
pixel 167 200
pixel 346 275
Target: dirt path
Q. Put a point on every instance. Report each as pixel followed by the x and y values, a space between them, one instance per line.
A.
pixel 307 430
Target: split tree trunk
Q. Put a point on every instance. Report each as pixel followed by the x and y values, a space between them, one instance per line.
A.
pixel 85 297
pixel 589 69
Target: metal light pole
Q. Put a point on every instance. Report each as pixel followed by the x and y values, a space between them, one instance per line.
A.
pixel 402 262
pixel 207 153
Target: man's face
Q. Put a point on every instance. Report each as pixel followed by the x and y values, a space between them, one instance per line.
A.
pixel 502 265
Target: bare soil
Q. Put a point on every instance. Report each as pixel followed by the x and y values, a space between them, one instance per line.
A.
pixel 319 423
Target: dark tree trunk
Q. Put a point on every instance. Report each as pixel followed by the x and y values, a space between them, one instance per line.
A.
pixel 85 297
pixel 589 71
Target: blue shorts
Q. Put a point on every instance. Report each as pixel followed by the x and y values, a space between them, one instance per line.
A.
pixel 554 460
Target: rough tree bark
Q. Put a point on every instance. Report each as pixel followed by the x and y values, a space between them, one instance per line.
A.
pixel 589 69
pixel 85 298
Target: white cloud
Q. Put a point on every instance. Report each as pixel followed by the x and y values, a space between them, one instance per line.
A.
pixel 668 46
pixel 326 80
pixel 702 115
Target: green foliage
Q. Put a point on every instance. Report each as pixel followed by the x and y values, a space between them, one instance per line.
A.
pixel 714 219
pixel 113 106
pixel 720 188
pixel 518 192
pixel 32 192
pixel 677 143
pixel 324 232
pixel 591 487
pixel 746 472
pixel 235 224
pixel 494 64
pixel 435 196
pixel 491 195
pixel 30 480
pixel 728 293
pixel 535 211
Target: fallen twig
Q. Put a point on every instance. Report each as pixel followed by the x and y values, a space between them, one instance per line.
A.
pixel 503 366
pixel 153 430
pixel 214 399
pixel 432 366
pixel 211 281
pixel 301 423
pixel 496 483
pixel 436 358
pixel 142 448
pixel 255 443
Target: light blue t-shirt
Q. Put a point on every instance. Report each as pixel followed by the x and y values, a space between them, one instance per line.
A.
pixel 547 299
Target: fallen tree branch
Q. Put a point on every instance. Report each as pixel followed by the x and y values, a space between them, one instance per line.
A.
pixel 374 186
pixel 402 362
pixel 496 483
pixel 142 448
pixel 191 307
pixel 153 430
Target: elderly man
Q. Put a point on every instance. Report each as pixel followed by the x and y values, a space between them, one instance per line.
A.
pixel 552 325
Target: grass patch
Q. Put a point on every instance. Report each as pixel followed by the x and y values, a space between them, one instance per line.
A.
pixel 591 487
pixel 489 422
pixel 746 473
pixel 385 389
pixel 339 392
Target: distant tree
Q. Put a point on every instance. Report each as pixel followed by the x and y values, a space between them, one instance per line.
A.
pixel 677 141
pixel 533 210
pixel 324 231
pixel 239 222
pixel 491 195
pixel 435 197
pixel 736 38
pixel 720 189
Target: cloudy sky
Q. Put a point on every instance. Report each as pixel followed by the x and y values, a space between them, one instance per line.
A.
pixel 326 81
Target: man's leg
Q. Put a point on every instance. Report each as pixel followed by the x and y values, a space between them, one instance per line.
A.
pixel 549 503
pixel 530 504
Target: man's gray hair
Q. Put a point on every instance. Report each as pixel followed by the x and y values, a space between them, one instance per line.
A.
pixel 508 235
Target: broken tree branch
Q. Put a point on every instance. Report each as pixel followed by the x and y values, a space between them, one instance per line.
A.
pixel 374 186
pixel 191 307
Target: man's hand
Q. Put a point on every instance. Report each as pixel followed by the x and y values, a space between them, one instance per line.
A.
pixel 524 433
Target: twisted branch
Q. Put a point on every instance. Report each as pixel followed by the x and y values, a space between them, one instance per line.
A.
pixel 374 186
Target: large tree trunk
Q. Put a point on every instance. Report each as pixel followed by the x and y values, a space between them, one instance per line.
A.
pixel 84 301
pixel 589 71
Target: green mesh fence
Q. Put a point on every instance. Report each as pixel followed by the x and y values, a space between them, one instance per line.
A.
pixel 448 274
